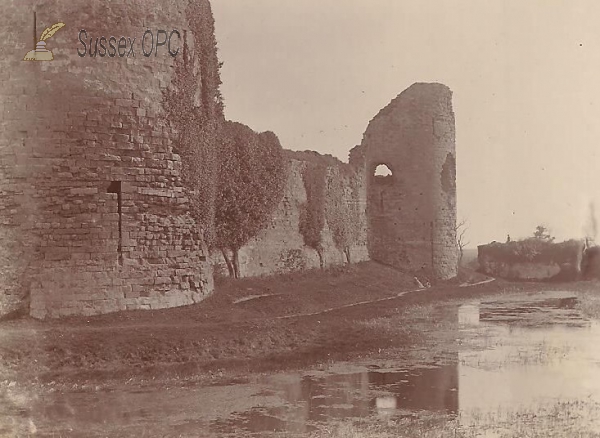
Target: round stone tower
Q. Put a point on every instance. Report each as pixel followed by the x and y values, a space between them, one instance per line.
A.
pixel 93 214
pixel 412 210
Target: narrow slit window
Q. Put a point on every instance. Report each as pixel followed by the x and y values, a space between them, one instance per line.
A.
pixel 117 187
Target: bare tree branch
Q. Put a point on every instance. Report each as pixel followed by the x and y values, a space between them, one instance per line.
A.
pixel 461 229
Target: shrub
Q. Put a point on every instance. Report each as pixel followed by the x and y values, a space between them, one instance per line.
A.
pixel 531 250
pixel 343 209
pixel 250 186
pixel 312 212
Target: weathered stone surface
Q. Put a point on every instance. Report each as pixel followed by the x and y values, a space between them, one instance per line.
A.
pixel 412 214
pixel 280 247
pixel 410 217
pixel 590 265
pixel 532 259
pixel 522 271
pixel 93 217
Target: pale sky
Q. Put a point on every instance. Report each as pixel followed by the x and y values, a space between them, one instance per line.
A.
pixel 525 76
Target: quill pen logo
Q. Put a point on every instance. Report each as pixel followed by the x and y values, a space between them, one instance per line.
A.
pixel 40 52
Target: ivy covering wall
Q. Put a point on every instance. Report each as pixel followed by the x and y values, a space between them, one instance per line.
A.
pixel 235 177
pixel 332 199
pixel 194 106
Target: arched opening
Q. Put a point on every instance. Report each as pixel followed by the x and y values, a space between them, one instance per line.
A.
pixel 382 178
pixel 382 170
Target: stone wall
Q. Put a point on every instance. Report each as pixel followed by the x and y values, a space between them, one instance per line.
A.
pixel 280 247
pixel 412 213
pixel 407 220
pixel 532 259
pixel 93 214
pixel 590 263
pixel 94 217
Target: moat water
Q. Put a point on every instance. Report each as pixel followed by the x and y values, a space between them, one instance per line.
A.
pixel 515 356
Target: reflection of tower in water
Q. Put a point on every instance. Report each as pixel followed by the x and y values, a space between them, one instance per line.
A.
pixel 386 393
pixel 430 389
pixel 468 315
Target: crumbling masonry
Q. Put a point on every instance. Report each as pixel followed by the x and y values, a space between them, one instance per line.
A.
pixel 410 216
pixel 94 217
pixel 412 213
pixel 93 214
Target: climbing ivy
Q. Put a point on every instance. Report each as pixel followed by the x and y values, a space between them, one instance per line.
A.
pixel 312 212
pixel 194 108
pixel 342 209
pixel 333 198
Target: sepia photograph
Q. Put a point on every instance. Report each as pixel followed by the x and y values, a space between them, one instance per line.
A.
pixel 299 218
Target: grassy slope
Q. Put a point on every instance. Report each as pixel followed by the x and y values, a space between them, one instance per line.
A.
pixel 212 333
pixel 219 334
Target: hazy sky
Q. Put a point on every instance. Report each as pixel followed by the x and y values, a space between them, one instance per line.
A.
pixel 525 76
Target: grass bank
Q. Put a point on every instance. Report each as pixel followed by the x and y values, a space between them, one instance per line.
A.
pixel 249 325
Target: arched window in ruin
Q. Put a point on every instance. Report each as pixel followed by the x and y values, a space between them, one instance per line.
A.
pixel 382 177
pixel 383 170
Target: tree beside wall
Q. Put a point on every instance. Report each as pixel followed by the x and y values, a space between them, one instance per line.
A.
pixel 312 212
pixel 251 180
pixel 342 209
pixel 461 240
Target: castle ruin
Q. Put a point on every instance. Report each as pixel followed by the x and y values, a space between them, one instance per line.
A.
pixel 94 215
pixel 412 212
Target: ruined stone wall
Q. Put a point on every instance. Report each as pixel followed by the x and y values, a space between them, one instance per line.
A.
pixel 532 259
pixel 412 213
pixel 93 215
pixel 590 263
pixel 280 247
pixel 407 220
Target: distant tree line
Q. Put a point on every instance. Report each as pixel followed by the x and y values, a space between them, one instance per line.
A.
pixel 539 247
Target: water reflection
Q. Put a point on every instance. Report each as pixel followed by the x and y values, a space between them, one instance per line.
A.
pixel 468 315
pixel 520 354
pixel 310 399
pixel 529 354
pixel 515 354
pixel 553 310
